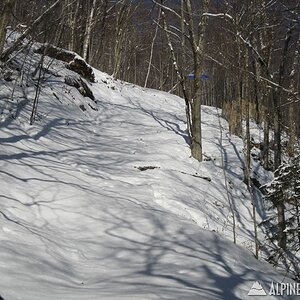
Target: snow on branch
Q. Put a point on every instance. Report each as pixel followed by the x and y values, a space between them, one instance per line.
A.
pixel 239 35
pixel 224 15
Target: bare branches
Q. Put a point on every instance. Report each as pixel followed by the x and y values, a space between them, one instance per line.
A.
pixel 4 20
pixel 166 8
pixel 272 84
pixel 179 75
pixel 152 47
pixel 6 53
pixel 88 31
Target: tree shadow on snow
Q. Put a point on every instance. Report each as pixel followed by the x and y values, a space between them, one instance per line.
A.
pixel 179 264
pixel 163 122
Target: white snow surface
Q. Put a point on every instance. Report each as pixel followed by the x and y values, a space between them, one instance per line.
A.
pixel 79 220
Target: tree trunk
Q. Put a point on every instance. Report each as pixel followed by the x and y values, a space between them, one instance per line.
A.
pixel 188 105
pixel 196 146
pixel 73 19
pixel 100 35
pixel 281 224
pixel 277 129
pixel 266 139
pixel 197 44
pixel 88 32
pixel 247 144
pixel 298 220
pixel 4 22
pixel 123 15
pixel 292 109
pixel 277 100
pixel 152 47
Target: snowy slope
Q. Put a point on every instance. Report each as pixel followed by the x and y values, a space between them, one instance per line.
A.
pixel 80 220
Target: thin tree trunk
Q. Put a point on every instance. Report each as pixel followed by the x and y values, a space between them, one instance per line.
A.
pixel 229 196
pixel 281 224
pixel 277 101
pixel 298 220
pixel 292 115
pixel 196 146
pixel 73 17
pixel 88 32
pixel 266 138
pixel 277 128
pixel 121 33
pixel 4 21
pixel 152 47
pixel 38 88
pixel 247 146
pixel 180 78
pixel 255 66
pixel 238 120
pixel 102 25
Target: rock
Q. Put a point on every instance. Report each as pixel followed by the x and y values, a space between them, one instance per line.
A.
pixel 73 60
pixel 80 85
pixel 82 107
pixel 79 66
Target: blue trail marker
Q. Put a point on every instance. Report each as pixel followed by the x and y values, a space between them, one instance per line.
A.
pixel 191 76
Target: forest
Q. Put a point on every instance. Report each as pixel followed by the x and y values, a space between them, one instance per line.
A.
pixel 242 56
pixel 249 51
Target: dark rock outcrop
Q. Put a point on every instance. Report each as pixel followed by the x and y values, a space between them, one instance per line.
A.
pixel 73 61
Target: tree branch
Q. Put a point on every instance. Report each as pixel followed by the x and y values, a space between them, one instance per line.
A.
pixel 6 53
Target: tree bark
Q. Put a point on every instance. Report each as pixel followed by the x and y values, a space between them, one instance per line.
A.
pixel 121 33
pixel 88 32
pixel 151 50
pixel 4 22
pixel 73 21
pixel 281 224
pixel 196 146
pixel 97 55
pixel 277 101
pixel 197 44
pixel 180 78
pixel 292 109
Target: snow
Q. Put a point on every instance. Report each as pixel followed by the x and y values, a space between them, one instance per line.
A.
pixel 223 15
pixel 79 220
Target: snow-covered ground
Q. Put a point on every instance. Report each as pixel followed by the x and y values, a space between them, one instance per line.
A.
pixel 107 203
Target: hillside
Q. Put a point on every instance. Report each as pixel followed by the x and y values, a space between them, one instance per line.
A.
pixel 100 198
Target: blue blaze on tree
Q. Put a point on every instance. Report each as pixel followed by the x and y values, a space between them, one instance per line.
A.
pixel 191 76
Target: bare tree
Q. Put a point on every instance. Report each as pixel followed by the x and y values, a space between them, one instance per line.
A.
pixel 88 30
pixel 6 53
pixel 124 12
pixel 152 48
pixel 5 14
pixel 196 38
